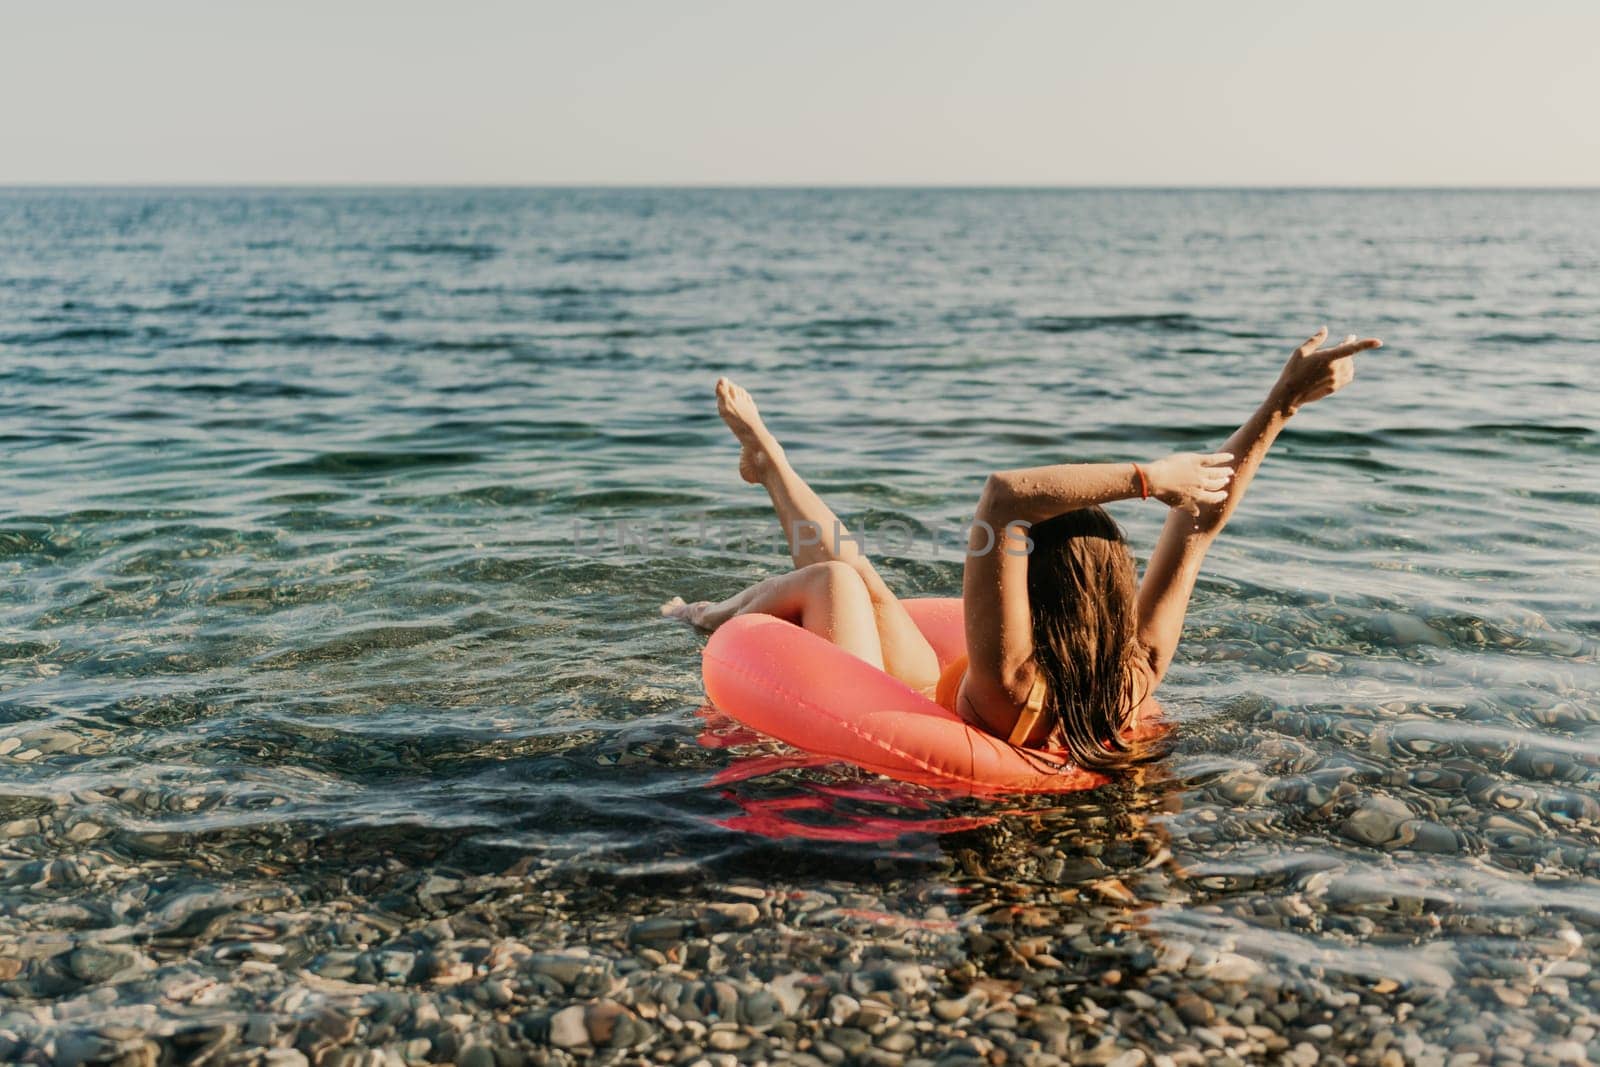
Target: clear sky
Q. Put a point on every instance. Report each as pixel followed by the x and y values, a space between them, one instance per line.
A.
pixel 1198 92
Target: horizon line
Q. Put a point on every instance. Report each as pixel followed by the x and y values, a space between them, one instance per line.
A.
pixel 789 186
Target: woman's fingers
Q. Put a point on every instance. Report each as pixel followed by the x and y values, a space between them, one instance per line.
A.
pixel 1350 348
pixel 1199 479
pixel 1313 341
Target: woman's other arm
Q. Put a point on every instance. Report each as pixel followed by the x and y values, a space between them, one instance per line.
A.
pixel 999 620
pixel 1311 374
pixel 1036 494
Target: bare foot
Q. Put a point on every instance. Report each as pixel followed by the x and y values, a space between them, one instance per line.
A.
pixel 761 451
pixel 693 614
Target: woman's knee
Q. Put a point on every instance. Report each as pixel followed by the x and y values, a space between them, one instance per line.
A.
pixel 839 608
pixel 832 572
pixel 837 580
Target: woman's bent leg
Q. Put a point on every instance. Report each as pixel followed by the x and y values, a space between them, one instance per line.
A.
pixel 816 535
pixel 826 598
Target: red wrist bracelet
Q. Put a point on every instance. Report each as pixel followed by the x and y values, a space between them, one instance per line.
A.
pixel 1144 483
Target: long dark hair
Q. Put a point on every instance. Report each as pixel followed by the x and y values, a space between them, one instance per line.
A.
pixel 1081 590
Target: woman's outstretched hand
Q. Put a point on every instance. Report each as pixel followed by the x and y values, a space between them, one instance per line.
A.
pixel 1188 480
pixel 1314 372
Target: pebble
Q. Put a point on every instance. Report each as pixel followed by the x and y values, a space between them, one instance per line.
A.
pixel 842 1008
pixel 98 963
pixel 728 1040
pixel 738 915
pixel 1376 821
pixel 563 969
pixel 949 1010
pixel 1194 1010
pixel 567 1028
pixel 1232 967
pixel 898 1041
pixel 852 1041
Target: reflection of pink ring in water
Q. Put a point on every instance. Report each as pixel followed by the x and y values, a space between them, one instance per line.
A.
pixel 828 810
pixel 790 684
pixel 769 817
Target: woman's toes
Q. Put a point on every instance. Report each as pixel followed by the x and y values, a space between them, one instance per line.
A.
pixel 731 394
pixel 694 614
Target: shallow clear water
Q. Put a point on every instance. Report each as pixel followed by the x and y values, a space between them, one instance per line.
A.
pixel 311 583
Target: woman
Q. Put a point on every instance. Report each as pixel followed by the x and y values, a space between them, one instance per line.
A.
pixel 1063 646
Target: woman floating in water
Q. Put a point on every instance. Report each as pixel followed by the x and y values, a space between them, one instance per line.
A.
pixel 1064 646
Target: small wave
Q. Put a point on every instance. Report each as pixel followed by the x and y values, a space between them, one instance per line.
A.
pixel 1565 496
pixel 254 389
pixel 444 248
pixel 581 313
pixel 1173 321
pixel 473 344
pixel 634 498
pixel 823 327
pixel 278 313
pixel 595 255
pixel 354 644
pixel 568 291
pixel 366 463
pixel 665 438
pixel 71 333
pixel 31 539
pixel 855 344
pixel 497 495
pixel 662 331
pixel 320 496
pixel 518 430
pixel 328 340
pixel 1531 430
pixel 343 293
pixel 1544 338
pixel 41 440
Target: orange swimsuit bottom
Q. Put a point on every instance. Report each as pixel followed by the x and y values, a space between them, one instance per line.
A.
pixel 949 689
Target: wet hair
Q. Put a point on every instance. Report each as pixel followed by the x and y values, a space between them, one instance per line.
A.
pixel 1081 592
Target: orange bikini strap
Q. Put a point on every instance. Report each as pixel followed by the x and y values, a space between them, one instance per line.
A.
pixel 1030 711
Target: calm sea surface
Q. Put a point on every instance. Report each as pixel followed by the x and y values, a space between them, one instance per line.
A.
pixel 333 527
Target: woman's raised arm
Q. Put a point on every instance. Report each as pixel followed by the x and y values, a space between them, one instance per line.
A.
pixel 1311 374
pixel 999 620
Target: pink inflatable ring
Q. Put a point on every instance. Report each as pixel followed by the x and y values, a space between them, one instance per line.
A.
pixel 788 683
